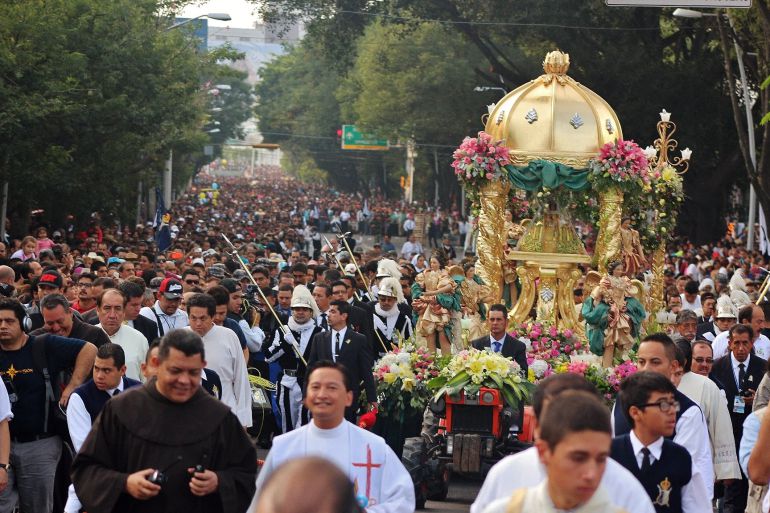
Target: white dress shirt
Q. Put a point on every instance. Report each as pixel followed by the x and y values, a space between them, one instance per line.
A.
pixel 737 370
pixel 692 434
pixel 492 343
pixel 694 498
pixel 334 341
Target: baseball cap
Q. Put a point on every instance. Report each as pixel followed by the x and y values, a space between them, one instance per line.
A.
pixel 50 279
pixel 171 288
pixel 231 285
pixel 216 272
pixel 240 275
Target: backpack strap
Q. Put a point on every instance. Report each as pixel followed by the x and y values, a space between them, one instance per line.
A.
pixel 41 365
pixel 161 331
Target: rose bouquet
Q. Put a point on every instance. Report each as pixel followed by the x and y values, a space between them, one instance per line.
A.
pixel 548 342
pixel 619 164
pixel 606 380
pixel 471 369
pixel 401 376
pixel 479 160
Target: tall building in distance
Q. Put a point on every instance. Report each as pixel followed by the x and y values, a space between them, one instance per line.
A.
pixel 259 45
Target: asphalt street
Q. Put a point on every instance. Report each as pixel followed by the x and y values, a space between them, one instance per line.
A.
pixel 462 492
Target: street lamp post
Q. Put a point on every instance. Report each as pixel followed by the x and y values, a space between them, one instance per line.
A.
pixel 690 13
pixel 220 16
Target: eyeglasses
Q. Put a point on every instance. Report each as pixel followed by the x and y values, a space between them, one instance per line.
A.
pixel 701 360
pixel 192 282
pixel 664 406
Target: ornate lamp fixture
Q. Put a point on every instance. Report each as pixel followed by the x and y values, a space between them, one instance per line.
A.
pixel 658 154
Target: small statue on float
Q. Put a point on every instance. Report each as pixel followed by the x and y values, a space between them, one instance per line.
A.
pixel 631 249
pixel 613 313
pixel 474 294
pixel 434 299
pixel 513 232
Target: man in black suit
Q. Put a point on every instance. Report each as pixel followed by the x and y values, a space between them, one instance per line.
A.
pixel 500 341
pixel 343 345
pixel 358 319
pixel 740 372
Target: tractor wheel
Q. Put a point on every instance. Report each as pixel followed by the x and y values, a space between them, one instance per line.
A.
pixel 414 459
pixel 438 484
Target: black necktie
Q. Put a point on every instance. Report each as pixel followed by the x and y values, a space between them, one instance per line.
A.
pixel 336 345
pixel 741 375
pixel 116 392
pixel 645 460
pixel 324 324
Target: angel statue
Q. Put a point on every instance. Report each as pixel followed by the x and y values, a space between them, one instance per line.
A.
pixel 613 313
pixel 631 249
pixel 513 232
pixel 434 297
pixel 474 294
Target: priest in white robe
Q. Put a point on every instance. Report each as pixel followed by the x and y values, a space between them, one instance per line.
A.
pixel 714 407
pixel 382 484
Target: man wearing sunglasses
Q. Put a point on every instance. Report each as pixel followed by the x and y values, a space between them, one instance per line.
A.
pixel 657 353
pixel 190 280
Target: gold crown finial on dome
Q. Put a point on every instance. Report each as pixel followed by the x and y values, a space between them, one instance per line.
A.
pixel 556 63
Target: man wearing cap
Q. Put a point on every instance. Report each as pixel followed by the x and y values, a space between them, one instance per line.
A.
pixel 111 307
pixel 753 316
pixel 390 323
pixel 59 319
pixel 284 349
pixel 166 312
pixel 724 319
pixel 50 282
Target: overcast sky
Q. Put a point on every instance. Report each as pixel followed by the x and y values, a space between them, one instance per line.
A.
pixel 240 11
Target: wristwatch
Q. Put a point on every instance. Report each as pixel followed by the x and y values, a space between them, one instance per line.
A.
pixel 5 466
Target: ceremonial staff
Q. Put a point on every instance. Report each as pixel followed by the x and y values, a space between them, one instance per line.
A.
pixel 283 328
pixel 366 283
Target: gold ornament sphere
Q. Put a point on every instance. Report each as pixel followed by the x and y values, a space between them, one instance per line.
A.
pixel 553 118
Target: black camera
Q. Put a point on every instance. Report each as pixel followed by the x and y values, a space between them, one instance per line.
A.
pixel 158 478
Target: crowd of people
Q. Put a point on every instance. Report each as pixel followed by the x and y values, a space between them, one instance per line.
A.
pixel 96 309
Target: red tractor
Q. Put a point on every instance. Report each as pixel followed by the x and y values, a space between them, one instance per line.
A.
pixel 466 434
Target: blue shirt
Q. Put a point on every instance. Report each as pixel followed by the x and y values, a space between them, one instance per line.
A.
pixel 749 439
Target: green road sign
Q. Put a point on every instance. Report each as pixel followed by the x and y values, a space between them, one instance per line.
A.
pixel 352 139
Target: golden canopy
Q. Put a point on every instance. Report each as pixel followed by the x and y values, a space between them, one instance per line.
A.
pixel 553 118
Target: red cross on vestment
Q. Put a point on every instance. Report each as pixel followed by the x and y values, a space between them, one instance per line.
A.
pixel 369 466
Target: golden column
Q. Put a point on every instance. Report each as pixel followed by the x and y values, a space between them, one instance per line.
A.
pixel 491 242
pixel 610 216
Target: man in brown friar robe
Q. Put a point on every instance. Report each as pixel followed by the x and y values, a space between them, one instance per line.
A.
pixel 169 425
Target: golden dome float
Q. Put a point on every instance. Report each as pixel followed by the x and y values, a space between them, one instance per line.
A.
pixel 553 118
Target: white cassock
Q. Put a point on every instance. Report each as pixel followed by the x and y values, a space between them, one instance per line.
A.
pixel 365 458
pixel 721 342
pixel 714 406
pixel 225 357
pixel 524 470
pixel 536 499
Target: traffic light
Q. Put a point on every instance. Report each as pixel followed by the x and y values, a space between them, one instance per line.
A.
pixel 339 137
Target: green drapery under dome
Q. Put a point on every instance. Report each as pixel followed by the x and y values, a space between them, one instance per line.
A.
pixel 540 174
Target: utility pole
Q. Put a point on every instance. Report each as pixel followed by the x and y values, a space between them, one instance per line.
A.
pixel 167 175
pixel 411 153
